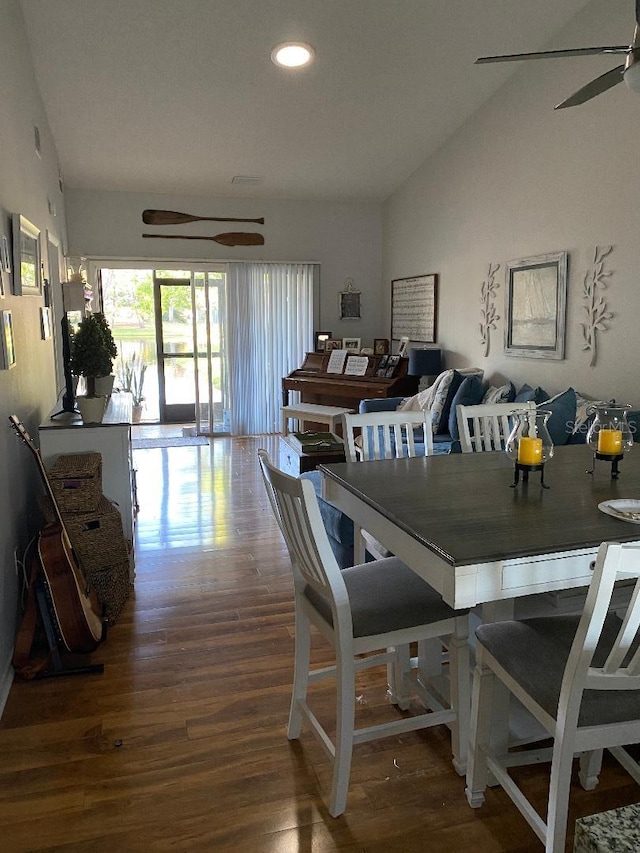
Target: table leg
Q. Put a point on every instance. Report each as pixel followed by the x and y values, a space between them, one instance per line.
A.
pixel 499 611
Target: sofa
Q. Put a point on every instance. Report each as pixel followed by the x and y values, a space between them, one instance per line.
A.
pixel 569 423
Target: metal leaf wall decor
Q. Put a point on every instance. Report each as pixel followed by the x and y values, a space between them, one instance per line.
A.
pixel 487 298
pixel 595 307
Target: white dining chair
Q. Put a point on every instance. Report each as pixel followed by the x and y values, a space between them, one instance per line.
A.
pixel 379 607
pixel 578 676
pixel 487 425
pixel 385 435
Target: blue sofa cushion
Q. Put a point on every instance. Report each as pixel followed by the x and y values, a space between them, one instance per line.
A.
pixel 470 393
pixel 563 416
pixel 527 394
pixel 381 404
pixel 339 526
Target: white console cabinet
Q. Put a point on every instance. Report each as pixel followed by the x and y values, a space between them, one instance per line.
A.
pixel 65 433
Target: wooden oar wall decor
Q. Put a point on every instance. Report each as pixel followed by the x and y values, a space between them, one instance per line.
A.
pixel 173 217
pixel 230 238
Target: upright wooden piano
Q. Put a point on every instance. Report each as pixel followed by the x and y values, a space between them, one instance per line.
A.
pixel 339 389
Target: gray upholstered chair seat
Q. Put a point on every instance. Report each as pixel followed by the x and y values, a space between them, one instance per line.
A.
pixel 386 596
pixel 535 652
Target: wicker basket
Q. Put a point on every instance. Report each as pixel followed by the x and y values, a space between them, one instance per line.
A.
pixel 112 586
pixel 102 551
pixel 97 537
pixel 76 481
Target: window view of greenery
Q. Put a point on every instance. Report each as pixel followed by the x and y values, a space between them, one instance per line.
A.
pixel 128 306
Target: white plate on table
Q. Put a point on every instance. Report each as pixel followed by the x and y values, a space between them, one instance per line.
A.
pixel 623 509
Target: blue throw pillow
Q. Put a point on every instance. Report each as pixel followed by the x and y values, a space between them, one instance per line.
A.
pixel 470 393
pixel 455 384
pixel 563 416
pixel 527 394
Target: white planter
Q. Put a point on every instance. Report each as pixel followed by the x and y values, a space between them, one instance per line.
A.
pixel 91 408
pixel 104 385
pixel 136 414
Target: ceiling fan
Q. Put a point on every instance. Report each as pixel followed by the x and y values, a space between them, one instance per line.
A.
pixel 629 71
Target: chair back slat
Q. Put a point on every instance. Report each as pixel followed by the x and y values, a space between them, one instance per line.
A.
pixel 615 562
pixel 487 426
pixel 386 435
pixel 296 510
pixel 626 636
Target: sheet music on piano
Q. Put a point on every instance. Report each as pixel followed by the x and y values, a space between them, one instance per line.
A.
pixel 356 365
pixel 336 361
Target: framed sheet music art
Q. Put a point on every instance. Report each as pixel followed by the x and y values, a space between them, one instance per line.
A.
pixel 414 308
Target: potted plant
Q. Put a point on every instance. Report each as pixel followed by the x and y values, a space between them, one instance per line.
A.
pixel 132 380
pixel 90 358
pixel 104 384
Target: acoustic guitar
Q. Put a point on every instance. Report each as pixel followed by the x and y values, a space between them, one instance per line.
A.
pixel 74 608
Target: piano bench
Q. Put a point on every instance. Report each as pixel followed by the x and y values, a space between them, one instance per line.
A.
pixel 329 415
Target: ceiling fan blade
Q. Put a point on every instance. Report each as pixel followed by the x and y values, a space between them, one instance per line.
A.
pixel 554 54
pixel 595 87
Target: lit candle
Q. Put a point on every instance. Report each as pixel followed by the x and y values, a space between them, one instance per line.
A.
pixel 610 441
pixel 530 451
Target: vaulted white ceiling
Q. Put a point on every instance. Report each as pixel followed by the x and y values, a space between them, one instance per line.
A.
pixel 181 95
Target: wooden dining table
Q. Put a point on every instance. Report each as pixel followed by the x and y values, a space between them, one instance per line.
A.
pixel 458 522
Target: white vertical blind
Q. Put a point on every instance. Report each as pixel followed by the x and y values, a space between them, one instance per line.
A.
pixel 270 328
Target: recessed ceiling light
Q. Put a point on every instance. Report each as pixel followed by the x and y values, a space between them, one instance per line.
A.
pixel 292 54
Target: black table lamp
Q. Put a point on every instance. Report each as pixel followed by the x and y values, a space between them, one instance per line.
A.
pixel 424 363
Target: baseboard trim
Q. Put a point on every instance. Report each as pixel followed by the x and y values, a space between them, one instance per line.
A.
pixel 5 686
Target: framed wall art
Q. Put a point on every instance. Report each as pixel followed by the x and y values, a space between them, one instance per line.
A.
pixel 349 302
pixel 536 300
pixel 7 345
pixel 5 266
pixel 45 323
pixel 27 257
pixel 414 308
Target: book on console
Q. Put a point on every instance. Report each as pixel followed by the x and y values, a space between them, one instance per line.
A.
pixel 316 442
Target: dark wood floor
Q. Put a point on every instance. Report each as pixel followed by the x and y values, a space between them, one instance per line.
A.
pixel 180 745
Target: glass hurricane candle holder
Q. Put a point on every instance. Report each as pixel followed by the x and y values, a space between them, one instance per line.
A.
pixel 529 445
pixel 609 436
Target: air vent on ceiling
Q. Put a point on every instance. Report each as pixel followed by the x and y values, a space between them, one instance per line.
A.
pixel 246 179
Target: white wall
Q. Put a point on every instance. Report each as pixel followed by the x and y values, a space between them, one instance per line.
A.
pixel 28 390
pixel 519 179
pixel 343 237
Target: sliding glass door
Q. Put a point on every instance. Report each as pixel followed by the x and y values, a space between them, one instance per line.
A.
pixel 173 321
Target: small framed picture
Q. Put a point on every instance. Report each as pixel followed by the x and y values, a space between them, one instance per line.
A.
pixel 381 346
pixel 319 340
pixel 331 345
pixel 45 323
pixel 404 343
pixel 351 344
pixel 381 370
pixel 7 347
pixel 392 365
